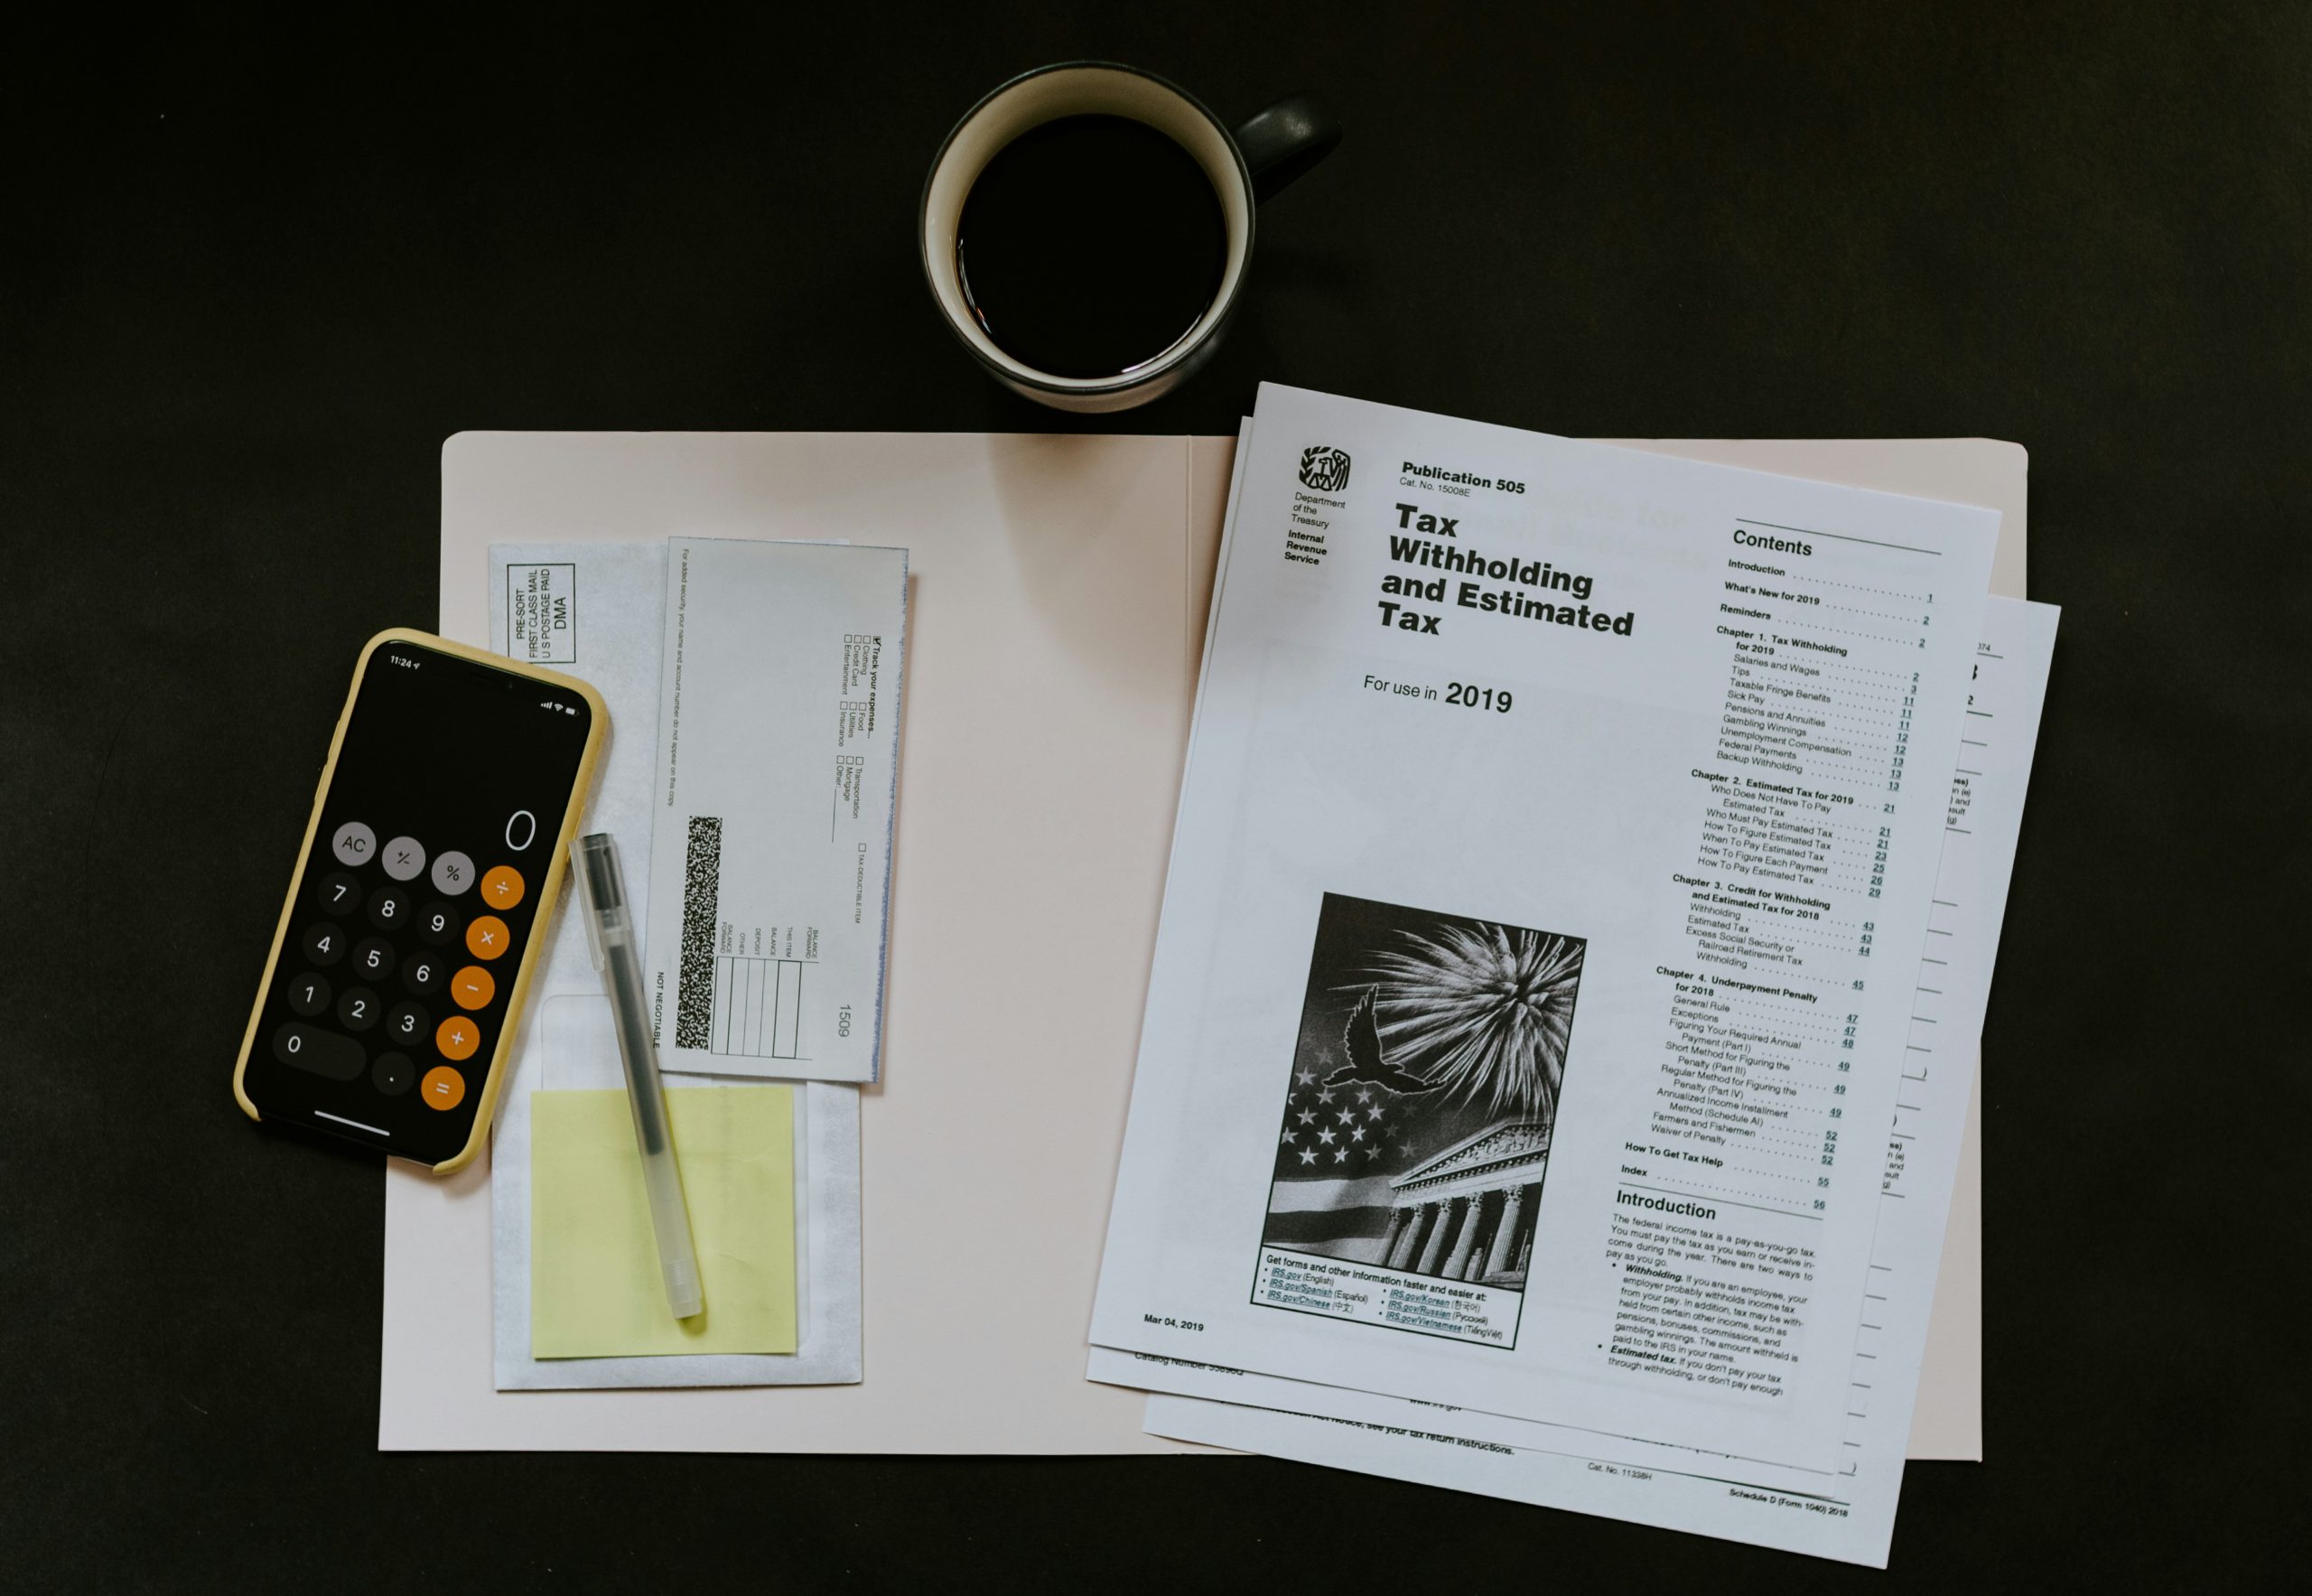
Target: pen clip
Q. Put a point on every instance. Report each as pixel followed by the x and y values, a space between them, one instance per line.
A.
pixel 601 892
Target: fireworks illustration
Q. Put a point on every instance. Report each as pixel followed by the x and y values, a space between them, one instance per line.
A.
pixel 1478 1011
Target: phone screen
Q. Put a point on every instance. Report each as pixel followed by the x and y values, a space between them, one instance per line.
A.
pixel 417 902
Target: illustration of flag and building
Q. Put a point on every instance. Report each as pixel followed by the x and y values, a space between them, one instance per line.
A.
pixel 1423 1088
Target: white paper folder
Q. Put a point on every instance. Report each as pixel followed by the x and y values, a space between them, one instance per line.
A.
pixel 1056 605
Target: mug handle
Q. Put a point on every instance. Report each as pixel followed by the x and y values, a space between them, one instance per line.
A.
pixel 1284 141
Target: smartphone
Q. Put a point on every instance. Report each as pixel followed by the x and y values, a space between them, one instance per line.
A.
pixel 422 899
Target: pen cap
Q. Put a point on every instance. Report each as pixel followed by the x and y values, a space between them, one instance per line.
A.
pixel 601 889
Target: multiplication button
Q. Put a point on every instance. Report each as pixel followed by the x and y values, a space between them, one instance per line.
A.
pixel 354 844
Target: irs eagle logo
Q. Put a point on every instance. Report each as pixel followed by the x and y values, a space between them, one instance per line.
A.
pixel 1325 469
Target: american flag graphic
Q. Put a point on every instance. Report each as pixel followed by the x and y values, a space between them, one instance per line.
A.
pixel 1419 1030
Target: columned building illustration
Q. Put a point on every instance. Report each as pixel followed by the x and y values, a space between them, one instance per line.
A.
pixel 1467 1213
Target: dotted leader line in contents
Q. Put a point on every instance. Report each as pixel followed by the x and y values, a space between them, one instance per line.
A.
pixel 1884 592
pixel 1877 614
pixel 1877 637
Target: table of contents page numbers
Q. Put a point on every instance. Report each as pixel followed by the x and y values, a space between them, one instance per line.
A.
pixel 1812 748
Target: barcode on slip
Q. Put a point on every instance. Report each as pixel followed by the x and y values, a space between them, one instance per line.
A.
pixel 695 972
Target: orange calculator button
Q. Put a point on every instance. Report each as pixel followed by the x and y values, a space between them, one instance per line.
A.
pixel 474 987
pixel 502 887
pixel 443 1088
pixel 488 937
pixel 457 1037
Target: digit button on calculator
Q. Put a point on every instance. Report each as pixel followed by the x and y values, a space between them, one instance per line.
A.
pixel 330 1026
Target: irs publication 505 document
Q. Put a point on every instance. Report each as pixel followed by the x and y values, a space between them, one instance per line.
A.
pixel 1549 879
pixel 1848 1515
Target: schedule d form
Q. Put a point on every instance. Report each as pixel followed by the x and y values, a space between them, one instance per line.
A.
pixel 1554 860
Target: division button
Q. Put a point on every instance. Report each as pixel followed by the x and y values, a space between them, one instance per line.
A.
pixel 404 858
pixel 393 1074
pixel 474 987
pixel 373 958
pixel 324 1052
pixel 437 923
pixel 406 1024
pixel 452 873
pixel 444 1088
pixel 354 844
pixel 502 888
pixel 324 944
pixel 338 892
pixel 488 937
pixel 359 1009
pixel 308 994
pixel 458 1037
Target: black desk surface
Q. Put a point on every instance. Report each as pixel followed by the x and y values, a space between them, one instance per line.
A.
pixel 246 290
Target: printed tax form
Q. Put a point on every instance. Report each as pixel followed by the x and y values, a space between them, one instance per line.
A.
pixel 1556 843
pixel 1850 1514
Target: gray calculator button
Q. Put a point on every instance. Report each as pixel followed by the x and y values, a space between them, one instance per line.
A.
pixel 324 944
pixel 355 844
pixel 324 1052
pixel 452 873
pixel 359 1009
pixel 404 858
pixel 392 1073
pixel 389 909
pixel 408 1024
pixel 308 994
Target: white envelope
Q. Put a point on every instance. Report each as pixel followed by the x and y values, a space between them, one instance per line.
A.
pixel 770 837
pixel 1059 589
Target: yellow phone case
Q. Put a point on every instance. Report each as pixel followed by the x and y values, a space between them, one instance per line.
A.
pixel 549 892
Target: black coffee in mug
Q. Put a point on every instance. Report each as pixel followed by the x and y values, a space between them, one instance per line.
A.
pixel 1091 244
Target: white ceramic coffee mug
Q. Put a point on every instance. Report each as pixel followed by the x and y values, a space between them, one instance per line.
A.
pixel 1245 165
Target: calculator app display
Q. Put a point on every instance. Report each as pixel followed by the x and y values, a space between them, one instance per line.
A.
pixel 410 921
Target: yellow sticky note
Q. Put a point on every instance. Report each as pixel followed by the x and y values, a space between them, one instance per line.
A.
pixel 595 1288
